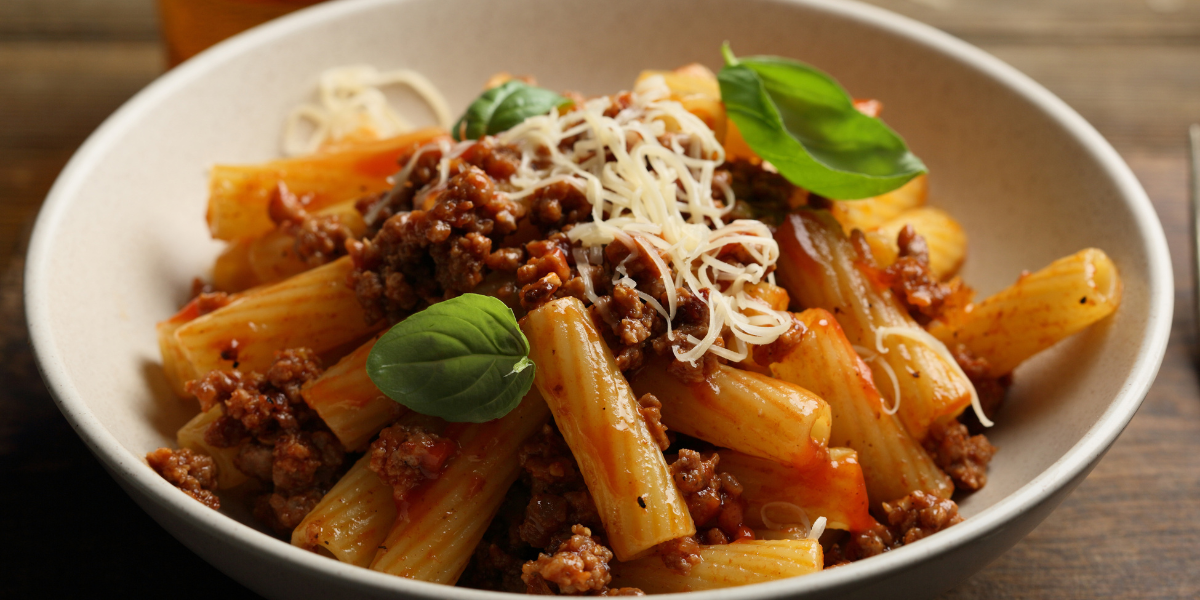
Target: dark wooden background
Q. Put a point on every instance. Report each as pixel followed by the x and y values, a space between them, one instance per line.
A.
pixel 1131 530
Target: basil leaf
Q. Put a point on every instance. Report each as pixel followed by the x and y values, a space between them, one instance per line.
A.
pixel 503 107
pixel 805 124
pixel 464 360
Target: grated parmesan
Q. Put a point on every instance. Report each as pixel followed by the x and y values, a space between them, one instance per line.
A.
pixel 648 173
pixel 925 338
pixel 350 102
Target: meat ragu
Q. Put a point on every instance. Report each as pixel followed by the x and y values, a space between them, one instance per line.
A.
pixel 636 237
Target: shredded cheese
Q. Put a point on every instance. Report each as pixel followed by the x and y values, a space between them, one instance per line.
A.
pixel 925 338
pixel 797 526
pixel 818 528
pixel 876 358
pixel 350 102
pixel 648 173
pixel 798 517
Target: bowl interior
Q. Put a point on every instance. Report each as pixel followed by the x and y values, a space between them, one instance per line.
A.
pixel 123 234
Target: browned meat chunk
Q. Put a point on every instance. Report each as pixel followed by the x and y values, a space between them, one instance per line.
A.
pixel 193 472
pixel 714 501
pixel 962 456
pixel 406 455
pixel 680 554
pixel 559 498
pixel 651 410
pixel 319 238
pixel 426 255
pixel 577 566
pixel 991 390
pixel 908 519
pixel 280 441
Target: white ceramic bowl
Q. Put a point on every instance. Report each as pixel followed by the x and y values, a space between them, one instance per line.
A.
pixel 122 234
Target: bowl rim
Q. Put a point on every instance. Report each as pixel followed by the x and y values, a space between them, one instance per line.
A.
pixel 130 469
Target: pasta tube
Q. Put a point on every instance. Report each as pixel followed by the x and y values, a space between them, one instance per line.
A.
pixel 945 237
pixel 232 271
pixel 598 416
pixel 696 88
pixel 272 257
pixel 315 309
pixel 893 464
pixel 436 533
pixel 833 489
pixel 352 519
pixel 873 212
pixel 1038 310
pixel 191 436
pixel 348 401
pixel 746 411
pixel 238 195
pixel 818 268
pixel 723 566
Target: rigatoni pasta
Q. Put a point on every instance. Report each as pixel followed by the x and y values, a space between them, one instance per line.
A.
pixel 824 270
pixel 873 212
pixel 833 489
pixel 946 239
pixel 894 465
pixel 436 533
pixel 598 415
pixel 239 195
pixel 729 565
pixel 589 376
pixel 742 410
pixel 314 309
pixel 348 401
pixel 1037 311
pixel 352 519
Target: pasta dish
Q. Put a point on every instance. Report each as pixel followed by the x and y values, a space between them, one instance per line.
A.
pixel 703 333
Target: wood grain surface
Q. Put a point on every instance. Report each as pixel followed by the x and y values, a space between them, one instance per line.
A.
pixel 1131 530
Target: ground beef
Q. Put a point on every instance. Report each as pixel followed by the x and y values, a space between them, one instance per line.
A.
pixel 281 442
pixel 193 472
pixel 774 352
pixel 319 238
pixel 305 460
pixel 906 520
pixel 544 273
pixel 628 324
pixel 207 302
pixel 283 512
pixel 759 193
pixel 377 209
pixel 559 498
pixel 911 279
pixel 577 566
pixel 423 256
pixel 680 554
pixel 691 319
pixel 991 390
pixel 713 499
pixel 559 204
pixel 962 456
pixel 651 410
pixel 496 562
pixel 493 567
pixel 406 455
pixel 265 405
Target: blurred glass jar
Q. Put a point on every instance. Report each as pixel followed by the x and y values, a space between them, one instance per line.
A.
pixel 190 26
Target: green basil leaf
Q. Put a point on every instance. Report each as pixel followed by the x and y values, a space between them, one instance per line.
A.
pixel 464 360
pixel 503 107
pixel 805 124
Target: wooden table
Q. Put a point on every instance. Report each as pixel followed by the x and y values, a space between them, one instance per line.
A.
pixel 1131 530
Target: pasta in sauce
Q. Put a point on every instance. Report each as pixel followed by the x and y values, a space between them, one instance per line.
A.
pixel 737 380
